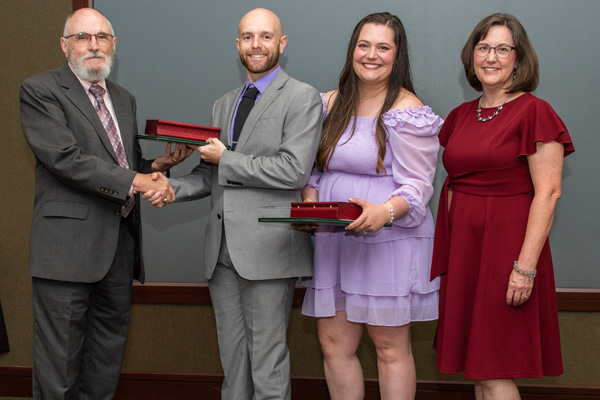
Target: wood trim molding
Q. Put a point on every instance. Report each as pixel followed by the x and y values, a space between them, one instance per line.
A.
pixel 171 293
pixel 185 293
pixel 197 293
pixel 578 299
pixel 77 4
pixel 16 382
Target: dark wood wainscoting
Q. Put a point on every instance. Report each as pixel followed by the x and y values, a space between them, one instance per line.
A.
pixel 197 293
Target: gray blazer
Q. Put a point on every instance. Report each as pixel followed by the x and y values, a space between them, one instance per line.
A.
pixel 271 164
pixel 79 185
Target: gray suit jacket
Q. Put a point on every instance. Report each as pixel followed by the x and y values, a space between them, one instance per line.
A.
pixel 79 185
pixel 267 171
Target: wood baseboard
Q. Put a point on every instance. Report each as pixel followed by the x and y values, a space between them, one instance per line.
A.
pixel 197 293
pixel 16 382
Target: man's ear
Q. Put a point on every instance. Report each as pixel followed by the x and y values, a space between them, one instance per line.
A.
pixel 282 43
pixel 63 46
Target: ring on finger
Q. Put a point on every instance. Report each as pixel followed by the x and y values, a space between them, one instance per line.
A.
pixel 165 201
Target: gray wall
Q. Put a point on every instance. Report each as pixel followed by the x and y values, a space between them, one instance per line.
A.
pixel 179 56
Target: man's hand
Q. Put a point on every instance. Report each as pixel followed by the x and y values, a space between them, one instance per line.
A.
pixel 154 185
pixel 212 151
pixel 169 160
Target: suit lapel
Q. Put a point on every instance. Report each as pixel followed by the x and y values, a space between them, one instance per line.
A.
pixel 74 91
pixel 230 104
pixel 263 103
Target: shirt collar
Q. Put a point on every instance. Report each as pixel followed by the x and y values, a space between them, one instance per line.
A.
pixel 265 81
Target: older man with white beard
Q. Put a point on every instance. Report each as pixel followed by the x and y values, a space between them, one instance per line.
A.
pixel 86 239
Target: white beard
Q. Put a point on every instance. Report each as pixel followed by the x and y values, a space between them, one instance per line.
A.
pixel 90 74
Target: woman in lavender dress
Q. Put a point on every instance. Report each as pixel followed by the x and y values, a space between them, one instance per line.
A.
pixel 379 149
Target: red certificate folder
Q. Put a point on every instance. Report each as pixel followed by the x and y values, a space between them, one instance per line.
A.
pixel 325 209
pixel 181 130
pixel 335 213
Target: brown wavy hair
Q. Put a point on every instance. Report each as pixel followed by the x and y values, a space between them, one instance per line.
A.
pixel 526 76
pixel 348 97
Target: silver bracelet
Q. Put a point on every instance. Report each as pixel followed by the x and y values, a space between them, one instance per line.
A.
pixel 391 212
pixel 529 274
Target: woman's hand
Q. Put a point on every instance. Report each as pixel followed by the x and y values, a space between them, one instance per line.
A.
pixel 308 194
pixel 373 217
pixel 304 227
pixel 519 289
pixel 545 167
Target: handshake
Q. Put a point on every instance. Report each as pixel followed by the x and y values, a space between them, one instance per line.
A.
pixel 155 188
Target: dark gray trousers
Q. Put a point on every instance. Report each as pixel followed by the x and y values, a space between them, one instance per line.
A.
pixel 80 331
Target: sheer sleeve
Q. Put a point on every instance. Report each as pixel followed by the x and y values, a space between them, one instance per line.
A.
pixel 324 105
pixel 414 144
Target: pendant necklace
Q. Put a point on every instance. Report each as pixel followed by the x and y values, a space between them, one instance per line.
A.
pixel 491 116
pixel 369 98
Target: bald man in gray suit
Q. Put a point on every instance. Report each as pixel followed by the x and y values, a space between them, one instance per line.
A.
pixel 252 267
pixel 86 238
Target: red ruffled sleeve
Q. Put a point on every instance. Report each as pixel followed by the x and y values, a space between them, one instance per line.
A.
pixel 543 125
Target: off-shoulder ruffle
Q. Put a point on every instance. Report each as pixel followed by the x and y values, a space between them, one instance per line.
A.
pixel 419 117
pixel 324 105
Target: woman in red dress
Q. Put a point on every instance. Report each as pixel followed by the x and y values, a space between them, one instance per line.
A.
pixel 504 155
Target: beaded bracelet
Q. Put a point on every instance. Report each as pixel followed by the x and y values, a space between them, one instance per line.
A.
pixel 529 274
pixel 391 212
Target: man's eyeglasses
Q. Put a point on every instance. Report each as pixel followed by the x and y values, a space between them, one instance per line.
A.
pixel 82 38
pixel 502 51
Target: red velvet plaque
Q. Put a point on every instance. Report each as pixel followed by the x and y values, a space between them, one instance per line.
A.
pixel 181 130
pixel 325 209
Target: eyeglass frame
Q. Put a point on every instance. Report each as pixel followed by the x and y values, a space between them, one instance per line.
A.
pixel 95 35
pixel 490 49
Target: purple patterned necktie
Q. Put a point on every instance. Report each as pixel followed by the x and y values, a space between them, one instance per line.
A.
pixel 113 135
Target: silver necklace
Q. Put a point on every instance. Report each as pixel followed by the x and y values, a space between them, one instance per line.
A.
pixel 491 116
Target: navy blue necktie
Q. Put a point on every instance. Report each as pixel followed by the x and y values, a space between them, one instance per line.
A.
pixel 246 104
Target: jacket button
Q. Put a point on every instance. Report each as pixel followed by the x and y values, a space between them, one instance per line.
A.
pixel 118 213
pixel 219 216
